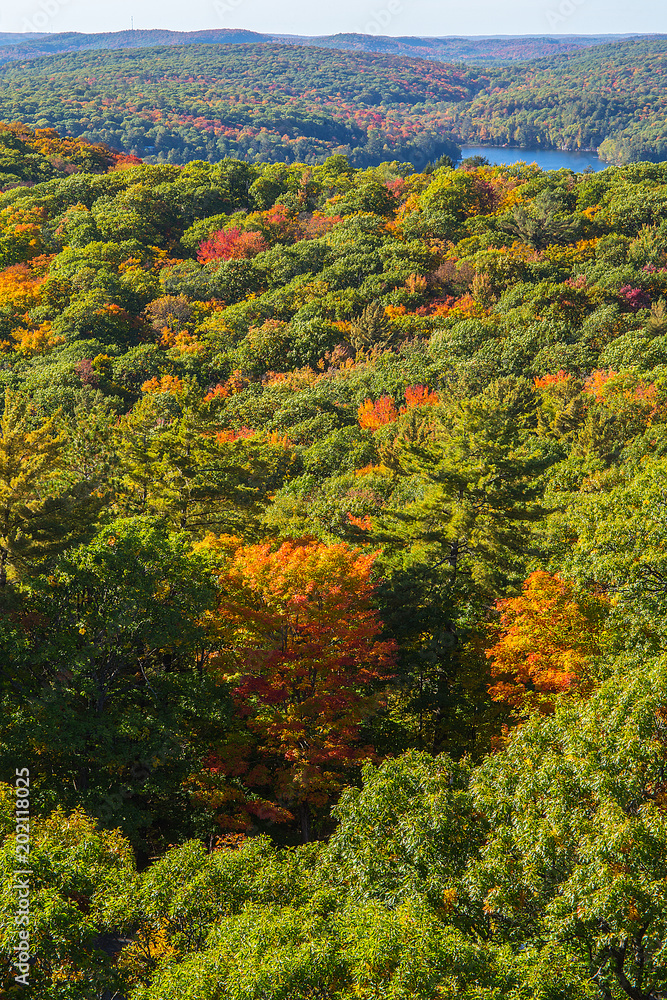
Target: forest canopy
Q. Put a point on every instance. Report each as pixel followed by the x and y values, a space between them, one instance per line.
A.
pixel 176 104
pixel 332 576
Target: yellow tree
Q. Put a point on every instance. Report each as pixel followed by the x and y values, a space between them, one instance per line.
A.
pixel 549 637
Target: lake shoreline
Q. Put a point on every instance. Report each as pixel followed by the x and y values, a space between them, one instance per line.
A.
pixel 546 159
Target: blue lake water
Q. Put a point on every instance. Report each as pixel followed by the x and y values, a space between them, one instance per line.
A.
pixel 546 159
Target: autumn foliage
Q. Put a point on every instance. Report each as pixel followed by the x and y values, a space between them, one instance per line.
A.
pixel 372 415
pixel 548 638
pixel 306 668
pixel 231 244
pixel 549 380
pixel 376 414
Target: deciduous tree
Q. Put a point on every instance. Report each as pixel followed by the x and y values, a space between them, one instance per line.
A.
pixel 306 659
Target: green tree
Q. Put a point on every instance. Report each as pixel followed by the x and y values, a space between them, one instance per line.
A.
pixel 42 509
pixel 372 328
pixel 76 873
pixel 578 835
pixel 612 538
pixel 476 484
pixel 107 693
pixel 408 832
pixel 455 533
pixel 176 464
pixel 542 222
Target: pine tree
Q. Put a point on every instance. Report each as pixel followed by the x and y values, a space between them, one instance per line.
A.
pixel 476 488
pixel 177 465
pixel 42 508
pixel 657 324
pixel 371 328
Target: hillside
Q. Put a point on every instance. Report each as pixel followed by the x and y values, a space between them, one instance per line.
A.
pixel 333 585
pixel 175 104
pixel 207 102
pixel 476 50
pixel 613 97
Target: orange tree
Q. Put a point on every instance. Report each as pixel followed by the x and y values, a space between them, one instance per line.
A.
pixel 549 638
pixel 306 664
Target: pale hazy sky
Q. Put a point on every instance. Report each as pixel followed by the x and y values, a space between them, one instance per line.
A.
pixel 390 17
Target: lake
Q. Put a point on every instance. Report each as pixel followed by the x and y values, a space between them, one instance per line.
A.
pixel 547 159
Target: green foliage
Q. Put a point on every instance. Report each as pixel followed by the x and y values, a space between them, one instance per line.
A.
pixel 456 380
pixel 43 506
pixel 106 696
pixel 577 834
pixel 407 833
pixel 76 871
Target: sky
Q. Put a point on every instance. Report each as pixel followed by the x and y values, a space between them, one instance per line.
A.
pixel 305 17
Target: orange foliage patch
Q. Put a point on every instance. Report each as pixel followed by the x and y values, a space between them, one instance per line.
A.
pixel 635 400
pixel 391 312
pixel 181 340
pixel 546 381
pixel 235 383
pixel 36 339
pixel 166 384
pixel 19 289
pixel 363 523
pixel 123 161
pixel 279 225
pixel 372 415
pixel 231 244
pixel 225 437
pixel 468 308
pixel 319 225
pixel 368 470
pixel 548 636
pixel 597 380
pixel 419 395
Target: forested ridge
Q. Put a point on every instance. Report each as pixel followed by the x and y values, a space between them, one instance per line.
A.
pixel 31 45
pixel 611 98
pixel 263 102
pixel 192 102
pixel 332 577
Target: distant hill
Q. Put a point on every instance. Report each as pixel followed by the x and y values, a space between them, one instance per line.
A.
pixel 475 49
pixel 261 102
pixel 276 102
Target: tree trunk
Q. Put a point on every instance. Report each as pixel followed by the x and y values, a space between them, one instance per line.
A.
pixel 632 991
pixel 304 816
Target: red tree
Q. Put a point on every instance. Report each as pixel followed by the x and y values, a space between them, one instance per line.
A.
pixel 231 244
pixel 306 663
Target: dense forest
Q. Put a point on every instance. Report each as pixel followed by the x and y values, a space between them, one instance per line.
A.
pixel 207 102
pixel 177 104
pixel 612 97
pixel 333 582
pixel 506 49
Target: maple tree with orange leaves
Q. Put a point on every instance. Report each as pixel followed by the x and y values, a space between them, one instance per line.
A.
pixel 306 661
pixel 549 637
